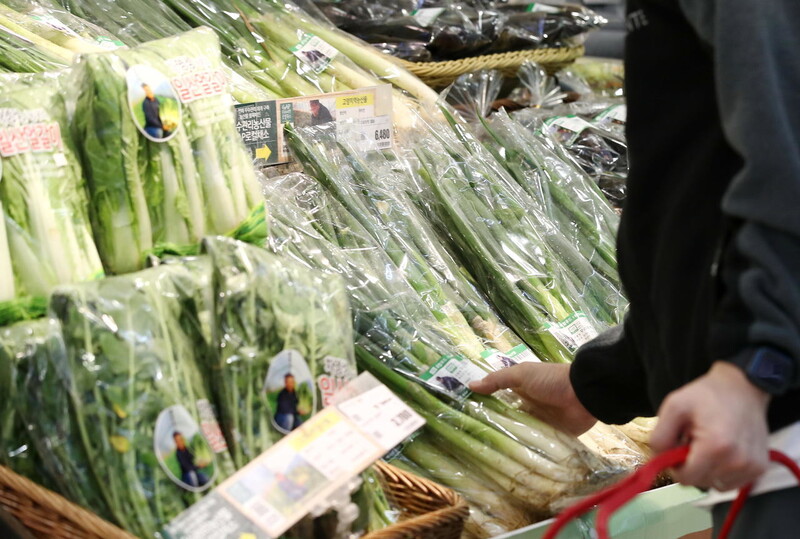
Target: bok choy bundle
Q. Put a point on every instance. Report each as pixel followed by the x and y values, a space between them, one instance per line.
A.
pixel 45 236
pixel 164 175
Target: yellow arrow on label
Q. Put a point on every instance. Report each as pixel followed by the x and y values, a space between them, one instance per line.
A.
pixel 263 153
pixel 247 536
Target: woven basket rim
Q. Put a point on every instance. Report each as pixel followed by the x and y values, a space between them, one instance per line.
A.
pixel 555 54
pixel 448 508
pixel 52 503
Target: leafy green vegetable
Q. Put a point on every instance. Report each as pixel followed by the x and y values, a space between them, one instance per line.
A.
pixel 35 428
pixel 135 347
pixel 146 193
pixel 45 235
pixel 265 305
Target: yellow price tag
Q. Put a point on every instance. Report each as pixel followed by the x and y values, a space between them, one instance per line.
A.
pixel 360 100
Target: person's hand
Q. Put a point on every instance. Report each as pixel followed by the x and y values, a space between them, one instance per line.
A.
pixel 547 392
pixel 723 418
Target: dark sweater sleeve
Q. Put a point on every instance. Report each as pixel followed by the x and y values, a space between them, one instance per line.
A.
pixel 609 379
pixel 758 78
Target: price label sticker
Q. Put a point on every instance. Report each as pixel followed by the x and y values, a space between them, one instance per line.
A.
pixel 382 415
pixel 363 116
pixel 453 374
pixel 427 16
pixel 315 52
pixel 501 360
pixel 574 331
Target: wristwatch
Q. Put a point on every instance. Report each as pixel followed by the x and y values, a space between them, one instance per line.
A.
pixel 770 370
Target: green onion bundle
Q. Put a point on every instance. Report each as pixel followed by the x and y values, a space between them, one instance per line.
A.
pixel 546 290
pixel 359 182
pixel 560 190
pixel 398 340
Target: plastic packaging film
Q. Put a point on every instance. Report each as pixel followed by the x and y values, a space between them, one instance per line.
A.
pixel 589 135
pixel 362 183
pixel 165 165
pixel 473 94
pixel 284 344
pixel 400 343
pixel 515 253
pixel 139 406
pixel 563 193
pixel 452 30
pixel 45 234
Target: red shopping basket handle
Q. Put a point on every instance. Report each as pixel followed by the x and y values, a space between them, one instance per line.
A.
pixel 611 499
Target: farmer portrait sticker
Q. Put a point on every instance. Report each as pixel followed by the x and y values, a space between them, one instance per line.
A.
pixel 154 106
pixel 182 451
pixel 290 391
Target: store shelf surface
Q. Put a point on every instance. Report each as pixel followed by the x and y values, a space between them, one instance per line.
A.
pixel 664 513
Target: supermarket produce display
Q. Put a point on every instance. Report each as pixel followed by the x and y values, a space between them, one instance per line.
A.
pixel 168 313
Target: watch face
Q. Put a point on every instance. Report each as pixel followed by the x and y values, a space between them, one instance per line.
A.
pixel 771 370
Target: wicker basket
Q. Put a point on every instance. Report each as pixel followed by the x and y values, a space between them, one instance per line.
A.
pixel 429 510
pixel 440 74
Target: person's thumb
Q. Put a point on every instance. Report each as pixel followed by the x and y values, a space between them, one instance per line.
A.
pixel 504 379
pixel 673 424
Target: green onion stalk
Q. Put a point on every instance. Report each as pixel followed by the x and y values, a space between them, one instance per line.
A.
pixel 535 279
pixel 137 21
pixel 358 183
pixel 368 59
pixel 133 371
pixel 602 296
pixel 264 306
pixel 395 333
pixel 561 191
pixel 65 34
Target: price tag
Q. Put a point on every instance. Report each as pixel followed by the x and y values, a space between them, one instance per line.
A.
pixel 567 128
pixel 363 115
pixel 426 16
pixel 301 472
pixel 453 374
pixel 616 114
pixel 382 415
pixel 315 52
pixel 574 331
pixel 519 354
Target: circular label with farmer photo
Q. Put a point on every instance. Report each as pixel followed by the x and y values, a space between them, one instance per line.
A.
pixel 290 391
pixel 182 451
pixel 155 108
